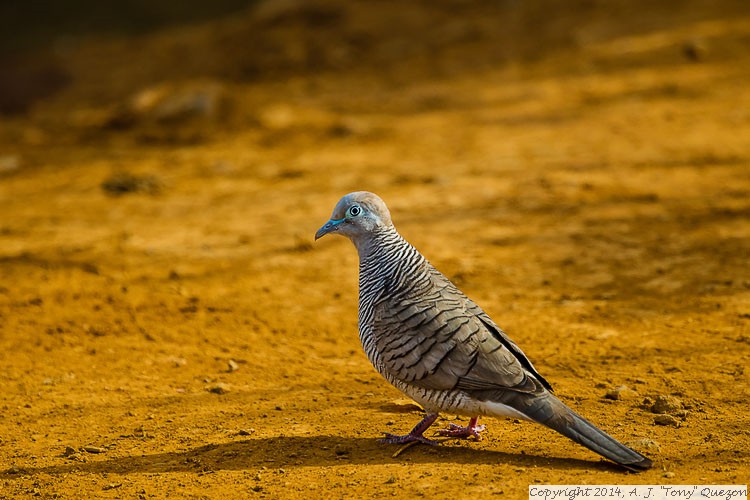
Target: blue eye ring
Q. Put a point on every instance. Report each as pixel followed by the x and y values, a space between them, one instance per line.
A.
pixel 354 211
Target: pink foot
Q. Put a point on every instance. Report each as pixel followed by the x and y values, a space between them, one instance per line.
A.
pixel 416 433
pixel 406 439
pixel 457 431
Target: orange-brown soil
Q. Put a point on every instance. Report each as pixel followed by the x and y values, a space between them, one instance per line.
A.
pixel 580 169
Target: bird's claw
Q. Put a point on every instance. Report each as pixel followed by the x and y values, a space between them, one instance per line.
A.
pixel 406 439
pixel 461 432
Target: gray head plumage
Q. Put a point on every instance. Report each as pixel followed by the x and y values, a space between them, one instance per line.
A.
pixel 357 215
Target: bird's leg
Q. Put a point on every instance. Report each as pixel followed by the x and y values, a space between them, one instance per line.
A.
pixel 457 431
pixel 416 433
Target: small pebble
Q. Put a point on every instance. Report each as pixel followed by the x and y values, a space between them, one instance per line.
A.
pixel 695 50
pixel 219 389
pixel 124 182
pixel 9 163
pixel 232 366
pixel 94 449
pixel 622 392
pixel 665 419
pixel 666 404
pixel 669 474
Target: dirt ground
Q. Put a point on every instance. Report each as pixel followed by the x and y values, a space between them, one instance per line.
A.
pixel 169 328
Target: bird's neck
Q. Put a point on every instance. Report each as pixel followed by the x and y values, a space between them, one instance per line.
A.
pixel 386 258
pixel 378 244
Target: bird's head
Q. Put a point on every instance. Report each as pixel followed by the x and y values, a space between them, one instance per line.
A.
pixel 356 216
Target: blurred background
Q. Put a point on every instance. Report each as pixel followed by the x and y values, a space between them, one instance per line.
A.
pixel 104 48
pixel 580 168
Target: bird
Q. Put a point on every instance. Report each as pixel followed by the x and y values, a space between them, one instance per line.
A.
pixel 434 344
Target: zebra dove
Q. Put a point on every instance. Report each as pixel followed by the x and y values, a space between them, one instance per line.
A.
pixel 442 350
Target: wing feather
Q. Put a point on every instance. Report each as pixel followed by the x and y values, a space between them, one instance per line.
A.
pixel 445 342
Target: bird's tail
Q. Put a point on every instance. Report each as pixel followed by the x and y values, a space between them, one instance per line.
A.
pixel 550 411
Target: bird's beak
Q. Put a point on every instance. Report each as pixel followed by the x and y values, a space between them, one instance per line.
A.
pixel 328 227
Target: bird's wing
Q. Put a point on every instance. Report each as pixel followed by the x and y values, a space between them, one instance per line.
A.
pixel 503 338
pixel 441 340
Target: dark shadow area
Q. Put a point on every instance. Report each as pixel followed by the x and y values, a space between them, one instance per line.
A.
pixel 24 81
pixel 249 40
pixel 30 25
pixel 314 451
pixel 34 34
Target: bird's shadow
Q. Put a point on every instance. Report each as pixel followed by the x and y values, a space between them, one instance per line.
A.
pixel 290 452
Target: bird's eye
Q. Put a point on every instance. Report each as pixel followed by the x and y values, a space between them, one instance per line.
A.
pixel 355 211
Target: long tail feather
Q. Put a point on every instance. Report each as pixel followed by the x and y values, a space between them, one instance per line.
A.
pixel 553 413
